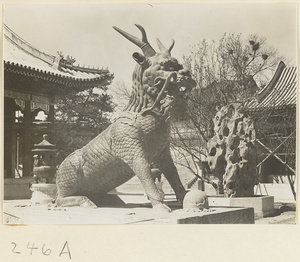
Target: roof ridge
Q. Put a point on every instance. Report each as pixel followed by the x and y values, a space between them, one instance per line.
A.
pixel 84 69
pixel 268 88
pixel 280 92
pixel 27 57
pixel 27 47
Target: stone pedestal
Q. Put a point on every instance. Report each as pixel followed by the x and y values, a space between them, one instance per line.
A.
pixel 43 193
pixel 49 215
pixel 263 205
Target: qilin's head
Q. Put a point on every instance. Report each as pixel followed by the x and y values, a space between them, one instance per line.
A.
pixel 160 83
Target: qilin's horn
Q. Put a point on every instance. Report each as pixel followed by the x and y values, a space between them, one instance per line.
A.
pixel 163 49
pixel 142 43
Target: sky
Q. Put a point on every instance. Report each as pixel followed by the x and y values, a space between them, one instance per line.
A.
pixel 85 31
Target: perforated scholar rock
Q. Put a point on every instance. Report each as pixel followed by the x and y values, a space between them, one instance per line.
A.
pixel 231 152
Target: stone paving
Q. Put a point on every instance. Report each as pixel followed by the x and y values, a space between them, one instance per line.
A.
pixel 285 207
pixel 138 211
pixel 285 213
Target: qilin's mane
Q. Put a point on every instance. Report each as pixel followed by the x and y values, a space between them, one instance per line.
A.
pixel 139 99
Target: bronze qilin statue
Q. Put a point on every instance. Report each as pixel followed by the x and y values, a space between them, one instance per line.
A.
pixel 138 137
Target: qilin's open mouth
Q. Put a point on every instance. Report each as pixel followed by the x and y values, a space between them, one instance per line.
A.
pixel 172 86
pixel 170 89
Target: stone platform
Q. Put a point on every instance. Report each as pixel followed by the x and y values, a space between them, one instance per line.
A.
pixel 23 212
pixel 17 188
pixel 263 205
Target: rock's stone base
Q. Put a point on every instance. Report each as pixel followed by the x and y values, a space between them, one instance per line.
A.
pixel 263 205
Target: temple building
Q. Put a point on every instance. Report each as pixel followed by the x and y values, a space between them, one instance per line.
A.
pixel 33 80
pixel 274 113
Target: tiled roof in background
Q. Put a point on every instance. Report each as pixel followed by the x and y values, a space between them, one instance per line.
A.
pixel 21 54
pixel 281 92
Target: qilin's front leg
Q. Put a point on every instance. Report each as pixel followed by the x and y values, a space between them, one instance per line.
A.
pixel 171 174
pixel 141 168
pixel 131 151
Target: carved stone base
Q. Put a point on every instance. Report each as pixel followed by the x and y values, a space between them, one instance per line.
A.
pixel 43 193
pixel 263 205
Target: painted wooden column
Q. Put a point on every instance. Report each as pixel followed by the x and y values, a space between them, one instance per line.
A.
pixel 51 119
pixel 9 138
pixel 27 141
pixel 51 113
